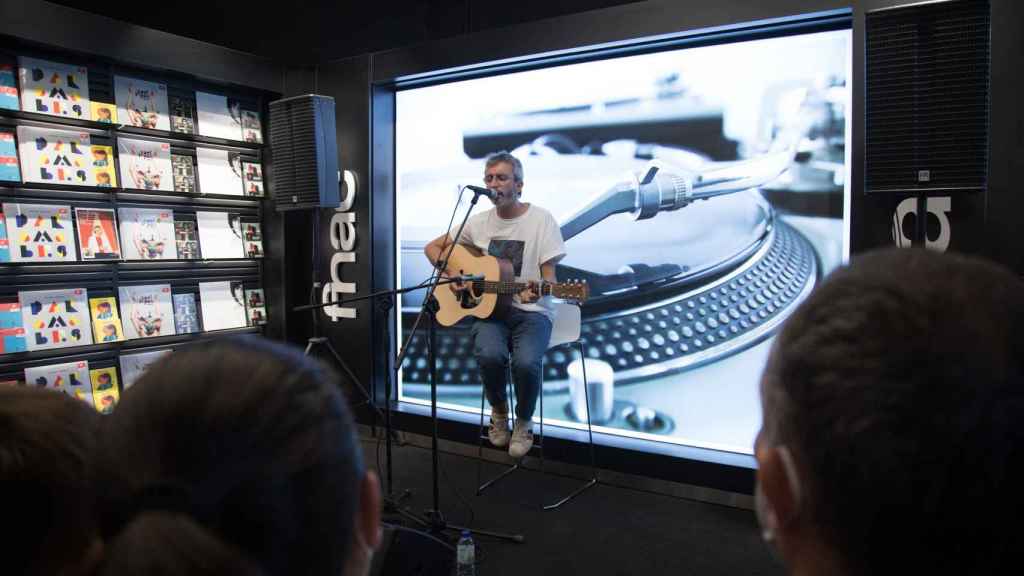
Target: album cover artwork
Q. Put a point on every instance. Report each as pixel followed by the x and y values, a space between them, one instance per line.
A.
pixel 71 378
pixel 5 244
pixel 12 333
pixel 148 233
pixel 184 173
pixel 8 87
pixel 9 170
pixel 97 234
pixel 251 129
pixel 218 116
pixel 106 324
pixel 40 233
pixel 223 305
pixel 186 316
pixel 252 178
pixel 220 235
pixel 103 112
pixel 146 311
pixel 134 365
pixel 145 164
pixel 50 156
pixel 54 88
pixel 141 103
pixel 55 318
pixel 103 166
pixel 220 171
pixel 105 394
pixel 187 240
pixel 255 307
pixel 182 115
pixel 253 239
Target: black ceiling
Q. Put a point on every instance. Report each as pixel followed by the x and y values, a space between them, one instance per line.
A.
pixel 307 32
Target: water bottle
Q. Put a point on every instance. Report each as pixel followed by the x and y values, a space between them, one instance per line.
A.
pixel 465 555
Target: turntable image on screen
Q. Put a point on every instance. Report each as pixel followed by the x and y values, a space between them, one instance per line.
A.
pixel 701 194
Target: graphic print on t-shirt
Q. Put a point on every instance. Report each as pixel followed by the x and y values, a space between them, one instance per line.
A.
pixel 511 250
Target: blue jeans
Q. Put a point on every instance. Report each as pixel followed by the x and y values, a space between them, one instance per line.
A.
pixel 524 337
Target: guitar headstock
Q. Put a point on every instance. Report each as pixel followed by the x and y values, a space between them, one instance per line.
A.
pixel 576 290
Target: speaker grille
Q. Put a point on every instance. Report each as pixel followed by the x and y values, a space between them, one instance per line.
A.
pixel 927 97
pixel 304 149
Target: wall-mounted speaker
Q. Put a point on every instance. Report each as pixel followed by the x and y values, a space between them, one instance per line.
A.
pixel 304 149
pixel 927 97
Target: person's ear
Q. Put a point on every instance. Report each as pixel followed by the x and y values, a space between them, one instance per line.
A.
pixel 368 522
pixel 778 484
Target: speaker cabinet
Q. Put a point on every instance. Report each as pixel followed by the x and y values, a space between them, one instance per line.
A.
pixel 927 98
pixel 304 150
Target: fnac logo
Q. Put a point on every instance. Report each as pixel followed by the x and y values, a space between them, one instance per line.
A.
pixel 343 242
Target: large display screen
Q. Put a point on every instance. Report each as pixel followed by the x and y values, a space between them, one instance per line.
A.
pixel 701 192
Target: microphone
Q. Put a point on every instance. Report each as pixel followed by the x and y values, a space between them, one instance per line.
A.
pixel 481 191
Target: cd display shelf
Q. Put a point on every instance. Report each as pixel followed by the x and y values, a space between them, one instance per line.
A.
pixel 102 278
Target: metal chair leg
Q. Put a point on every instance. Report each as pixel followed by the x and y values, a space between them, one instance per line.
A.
pixel 512 418
pixel 590 431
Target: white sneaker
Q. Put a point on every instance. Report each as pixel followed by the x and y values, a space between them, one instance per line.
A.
pixel 498 432
pixel 522 439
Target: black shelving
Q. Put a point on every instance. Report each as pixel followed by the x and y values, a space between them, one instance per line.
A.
pixel 104 277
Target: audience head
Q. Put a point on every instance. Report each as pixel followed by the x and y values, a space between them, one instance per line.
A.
pixel 893 431
pixel 47 490
pixel 238 456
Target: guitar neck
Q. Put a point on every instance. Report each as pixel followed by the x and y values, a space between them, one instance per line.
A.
pixel 509 288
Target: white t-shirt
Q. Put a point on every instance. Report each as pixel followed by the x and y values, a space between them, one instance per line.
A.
pixel 527 241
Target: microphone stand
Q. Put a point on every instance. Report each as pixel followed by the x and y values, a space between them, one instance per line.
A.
pixel 434 521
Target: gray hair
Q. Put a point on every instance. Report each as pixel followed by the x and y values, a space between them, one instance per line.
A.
pixel 503 156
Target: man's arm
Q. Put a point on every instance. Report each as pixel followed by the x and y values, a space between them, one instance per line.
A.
pixel 435 249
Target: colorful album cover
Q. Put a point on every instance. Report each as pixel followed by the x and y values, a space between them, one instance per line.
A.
pixel 97 234
pixel 251 129
pixel 8 87
pixel 9 170
pixel 106 324
pixel 146 311
pixel 145 164
pixel 187 240
pixel 147 233
pixel 134 365
pixel 182 115
pixel 71 378
pixel 54 88
pixel 105 394
pixel 186 315
pixel 103 166
pixel 223 305
pixel 220 235
pixel 40 233
pixel 218 116
pixel 55 318
pixel 252 238
pixel 184 173
pixel 141 103
pixel 103 112
pixel 255 307
pixel 252 178
pixel 50 156
pixel 12 333
pixel 220 171
pixel 5 244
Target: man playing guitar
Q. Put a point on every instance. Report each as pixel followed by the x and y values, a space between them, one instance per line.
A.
pixel 529 238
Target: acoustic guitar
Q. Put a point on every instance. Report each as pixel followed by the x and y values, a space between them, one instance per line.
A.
pixel 490 295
